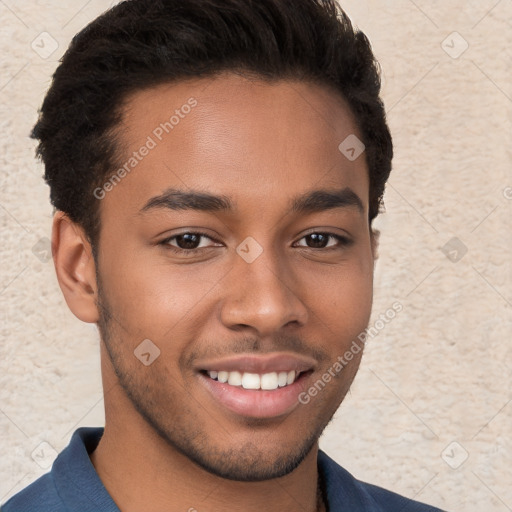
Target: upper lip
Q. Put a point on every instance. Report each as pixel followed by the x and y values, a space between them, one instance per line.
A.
pixel 250 363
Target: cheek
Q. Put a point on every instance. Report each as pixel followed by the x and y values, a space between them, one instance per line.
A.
pixel 343 297
pixel 153 299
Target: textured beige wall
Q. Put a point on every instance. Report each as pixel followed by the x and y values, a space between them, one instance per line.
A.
pixel 435 385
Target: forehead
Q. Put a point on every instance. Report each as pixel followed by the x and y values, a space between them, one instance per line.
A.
pixel 247 139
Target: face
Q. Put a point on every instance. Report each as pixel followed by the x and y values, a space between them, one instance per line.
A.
pixel 246 299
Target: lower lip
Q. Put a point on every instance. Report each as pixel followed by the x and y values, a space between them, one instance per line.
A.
pixel 254 403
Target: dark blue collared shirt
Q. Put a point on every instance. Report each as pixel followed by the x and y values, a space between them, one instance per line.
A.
pixel 73 485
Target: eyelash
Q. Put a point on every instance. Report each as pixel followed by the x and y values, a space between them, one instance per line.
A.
pixel 343 242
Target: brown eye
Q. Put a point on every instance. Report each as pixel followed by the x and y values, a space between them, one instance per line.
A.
pixel 320 240
pixel 189 242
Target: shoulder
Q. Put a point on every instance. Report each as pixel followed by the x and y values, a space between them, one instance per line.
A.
pixel 39 495
pixel 342 489
pixel 72 483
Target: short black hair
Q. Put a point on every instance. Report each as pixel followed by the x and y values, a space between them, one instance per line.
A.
pixel 143 43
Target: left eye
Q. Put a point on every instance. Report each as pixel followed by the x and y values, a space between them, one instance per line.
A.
pixel 319 240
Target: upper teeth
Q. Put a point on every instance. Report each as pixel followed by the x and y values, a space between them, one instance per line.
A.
pixel 266 381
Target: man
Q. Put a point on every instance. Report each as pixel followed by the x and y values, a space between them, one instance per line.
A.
pixel 215 166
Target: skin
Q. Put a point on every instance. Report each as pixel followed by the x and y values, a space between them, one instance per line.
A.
pixel 261 144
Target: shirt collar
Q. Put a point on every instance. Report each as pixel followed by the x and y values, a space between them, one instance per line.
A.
pixel 342 490
pixel 76 480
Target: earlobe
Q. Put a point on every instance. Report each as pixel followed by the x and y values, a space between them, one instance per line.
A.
pixel 75 267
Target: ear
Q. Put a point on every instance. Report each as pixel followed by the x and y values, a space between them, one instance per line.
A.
pixel 75 268
pixel 374 240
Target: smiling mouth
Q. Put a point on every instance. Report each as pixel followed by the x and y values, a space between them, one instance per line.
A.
pixel 255 381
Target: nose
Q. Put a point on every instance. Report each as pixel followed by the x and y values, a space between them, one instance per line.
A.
pixel 263 295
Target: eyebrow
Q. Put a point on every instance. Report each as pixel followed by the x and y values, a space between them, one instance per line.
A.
pixel 309 202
